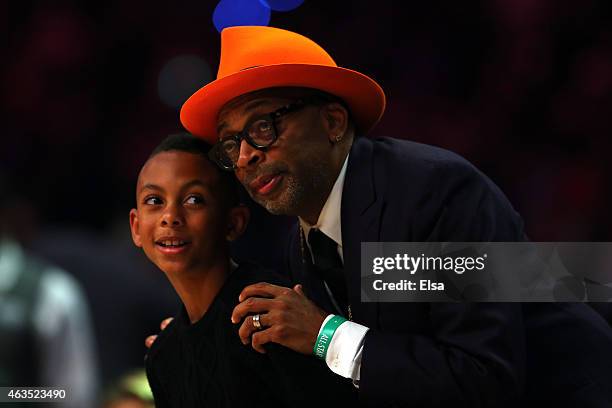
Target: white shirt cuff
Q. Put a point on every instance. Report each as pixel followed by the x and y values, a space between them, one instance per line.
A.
pixel 345 349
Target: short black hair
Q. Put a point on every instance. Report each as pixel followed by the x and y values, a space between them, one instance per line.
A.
pixel 182 142
pixel 186 142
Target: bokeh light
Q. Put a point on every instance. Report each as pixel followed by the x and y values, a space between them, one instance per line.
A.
pixel 229 13
pixel 181 77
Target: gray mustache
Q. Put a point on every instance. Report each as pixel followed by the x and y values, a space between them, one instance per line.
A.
pixel 265 169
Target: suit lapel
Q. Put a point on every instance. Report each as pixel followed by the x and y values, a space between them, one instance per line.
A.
pixel 361 212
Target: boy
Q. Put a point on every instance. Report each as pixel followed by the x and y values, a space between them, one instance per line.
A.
pixel 187 213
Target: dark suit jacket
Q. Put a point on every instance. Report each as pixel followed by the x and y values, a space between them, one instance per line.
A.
pixel 453 354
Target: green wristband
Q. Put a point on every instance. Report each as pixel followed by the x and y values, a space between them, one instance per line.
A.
pixel 324 338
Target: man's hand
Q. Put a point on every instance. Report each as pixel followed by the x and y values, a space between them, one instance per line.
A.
pixel 287 317
pixel 151 339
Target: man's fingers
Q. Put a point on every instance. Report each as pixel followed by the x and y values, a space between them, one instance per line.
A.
pixel 260 338
pixel 299 289
pixel 165 323
pixel 262 289
pixel 149 341
pixel 247 328
pixel 251 305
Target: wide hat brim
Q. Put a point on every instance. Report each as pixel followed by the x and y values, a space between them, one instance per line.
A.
pixel 364 97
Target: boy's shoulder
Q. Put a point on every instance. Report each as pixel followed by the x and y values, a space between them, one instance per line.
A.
pixel 162 352
pixel 248 273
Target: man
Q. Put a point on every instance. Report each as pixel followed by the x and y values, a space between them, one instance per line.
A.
pixel 288 121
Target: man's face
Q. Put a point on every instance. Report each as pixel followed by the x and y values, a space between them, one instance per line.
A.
pixel 180 221
pixel 292 176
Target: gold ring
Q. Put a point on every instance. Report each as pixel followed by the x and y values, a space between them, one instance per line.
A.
pixel 257 322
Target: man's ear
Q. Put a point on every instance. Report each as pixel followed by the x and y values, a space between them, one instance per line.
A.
pixel 134 227
pixel 335 121
pixel 237 221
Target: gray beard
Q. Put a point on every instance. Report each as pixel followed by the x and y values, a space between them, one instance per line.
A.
pixel 298 196
pixel 288 202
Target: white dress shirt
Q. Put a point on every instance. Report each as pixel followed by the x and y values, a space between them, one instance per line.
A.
pixel 346 346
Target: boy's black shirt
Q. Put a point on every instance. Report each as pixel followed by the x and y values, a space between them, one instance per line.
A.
pixel 205 364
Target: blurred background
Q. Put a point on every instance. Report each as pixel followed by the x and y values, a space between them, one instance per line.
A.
pixel 521 88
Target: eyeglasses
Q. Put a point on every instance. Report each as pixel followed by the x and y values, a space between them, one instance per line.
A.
pixel 260 132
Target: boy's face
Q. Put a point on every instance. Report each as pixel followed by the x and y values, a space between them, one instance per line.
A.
pixel 181 219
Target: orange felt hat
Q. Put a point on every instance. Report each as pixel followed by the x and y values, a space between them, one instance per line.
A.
pixel 257 57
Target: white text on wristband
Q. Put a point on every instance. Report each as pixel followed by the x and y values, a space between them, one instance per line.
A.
pixel 324 338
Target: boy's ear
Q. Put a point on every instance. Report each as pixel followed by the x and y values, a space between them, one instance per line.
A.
pixel 134 227
pixel 237 221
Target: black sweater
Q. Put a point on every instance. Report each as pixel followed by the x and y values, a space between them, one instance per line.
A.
pixel 205 364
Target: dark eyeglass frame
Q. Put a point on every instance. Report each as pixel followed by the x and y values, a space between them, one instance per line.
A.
pixel 216 153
